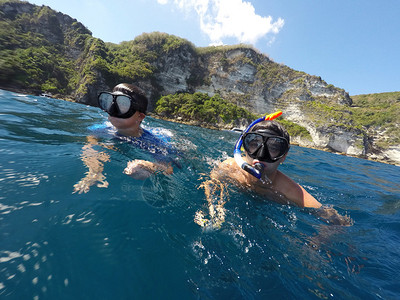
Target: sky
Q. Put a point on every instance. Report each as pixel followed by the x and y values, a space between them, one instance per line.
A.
pixel 352 44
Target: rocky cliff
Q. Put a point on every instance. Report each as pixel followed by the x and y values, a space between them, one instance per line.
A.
pixel 251 80
pixel 47 50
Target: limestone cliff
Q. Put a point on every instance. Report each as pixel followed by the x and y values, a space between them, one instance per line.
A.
pixel 44 50
pixel 251 80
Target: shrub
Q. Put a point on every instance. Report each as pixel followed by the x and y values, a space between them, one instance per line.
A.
pixel 201 107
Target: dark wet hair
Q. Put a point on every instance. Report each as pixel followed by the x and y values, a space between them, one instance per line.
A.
pixel 134 92
pixel 272 126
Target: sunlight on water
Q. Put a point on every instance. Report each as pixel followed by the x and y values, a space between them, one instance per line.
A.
pixel 159 238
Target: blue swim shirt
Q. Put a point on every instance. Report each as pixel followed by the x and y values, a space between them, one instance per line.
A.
pixel 152 141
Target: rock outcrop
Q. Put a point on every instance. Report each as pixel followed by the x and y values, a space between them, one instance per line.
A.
pixel 172 65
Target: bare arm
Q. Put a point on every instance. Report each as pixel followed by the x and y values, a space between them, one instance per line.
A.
pixel 94 160
pixel 216 196
pixel 299 196
pixel 294 192
pixel 142 169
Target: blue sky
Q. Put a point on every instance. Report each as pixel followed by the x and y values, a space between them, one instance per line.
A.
pixel 352 44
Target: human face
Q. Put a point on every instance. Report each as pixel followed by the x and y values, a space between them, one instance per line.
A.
pixel 265 146
pixel 129 126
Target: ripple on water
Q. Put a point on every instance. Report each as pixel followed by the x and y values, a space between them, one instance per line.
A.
pixel 138 239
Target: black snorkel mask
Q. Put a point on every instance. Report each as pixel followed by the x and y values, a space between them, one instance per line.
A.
pixel 265 145
pixel 117 104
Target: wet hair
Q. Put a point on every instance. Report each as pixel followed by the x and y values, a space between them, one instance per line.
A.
pixel 134 92
pixel 272 126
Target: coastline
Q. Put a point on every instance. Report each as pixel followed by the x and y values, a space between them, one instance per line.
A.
pixel 229 128
pixel 35 93
pixel 208 126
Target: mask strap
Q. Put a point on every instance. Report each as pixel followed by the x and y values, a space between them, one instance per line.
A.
pixel 256 171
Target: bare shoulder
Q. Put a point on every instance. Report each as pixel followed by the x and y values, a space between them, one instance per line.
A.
pixel 228 170
pixel 223 169
pixel 228 164
pixel 285 183
pixel 294 192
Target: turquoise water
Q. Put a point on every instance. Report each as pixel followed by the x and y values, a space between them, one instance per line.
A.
pixel 138 239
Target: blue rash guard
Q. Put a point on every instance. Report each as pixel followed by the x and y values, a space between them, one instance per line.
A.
pixel 153 142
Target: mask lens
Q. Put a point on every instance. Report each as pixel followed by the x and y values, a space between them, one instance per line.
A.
pixel 124 103
pixel 276 147
pixel 105 101
pixel 252 142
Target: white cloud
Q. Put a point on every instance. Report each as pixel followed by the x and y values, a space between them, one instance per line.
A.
pixel 221 19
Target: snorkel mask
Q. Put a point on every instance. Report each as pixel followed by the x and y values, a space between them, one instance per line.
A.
pixel 263 145
pixel 117 104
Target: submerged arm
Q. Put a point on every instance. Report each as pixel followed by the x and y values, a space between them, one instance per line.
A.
pixel 142 169
pixel 331 216
pixel 216 196
pixel 94 160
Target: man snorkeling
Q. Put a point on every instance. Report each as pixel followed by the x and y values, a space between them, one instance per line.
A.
pixel 126 106
pixel 266 144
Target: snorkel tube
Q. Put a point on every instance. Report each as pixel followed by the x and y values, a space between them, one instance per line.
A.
pixel 256 171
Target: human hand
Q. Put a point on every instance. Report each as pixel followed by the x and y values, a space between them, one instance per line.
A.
pixel 331 216
pixel 140 169
pixel 83 186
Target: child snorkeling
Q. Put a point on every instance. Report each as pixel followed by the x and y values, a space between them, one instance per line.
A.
pixel 126 106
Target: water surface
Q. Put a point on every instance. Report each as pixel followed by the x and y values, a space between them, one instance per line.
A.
pixel 138 239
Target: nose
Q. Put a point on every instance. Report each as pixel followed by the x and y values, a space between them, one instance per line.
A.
pixel 112 111
pixel 262 152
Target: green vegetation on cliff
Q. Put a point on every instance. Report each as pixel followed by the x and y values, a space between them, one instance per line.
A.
pixel 379 112
pixel 372 110
pixel 201 108
pixel 376 109
pixel 213 111
pixel 32 48
pixel 295 130
pixel 44 50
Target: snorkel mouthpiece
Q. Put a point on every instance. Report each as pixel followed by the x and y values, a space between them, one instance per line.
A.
pixel 259 167
pixel 256 171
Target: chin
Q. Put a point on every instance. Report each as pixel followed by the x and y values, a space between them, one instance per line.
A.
pixel 114 120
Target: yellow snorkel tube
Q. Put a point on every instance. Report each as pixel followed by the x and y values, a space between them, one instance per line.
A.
pixel 256 171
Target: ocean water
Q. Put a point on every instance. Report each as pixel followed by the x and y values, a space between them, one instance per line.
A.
pixel 139 239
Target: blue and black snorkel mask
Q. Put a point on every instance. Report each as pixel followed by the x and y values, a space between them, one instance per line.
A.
pixel 263 145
